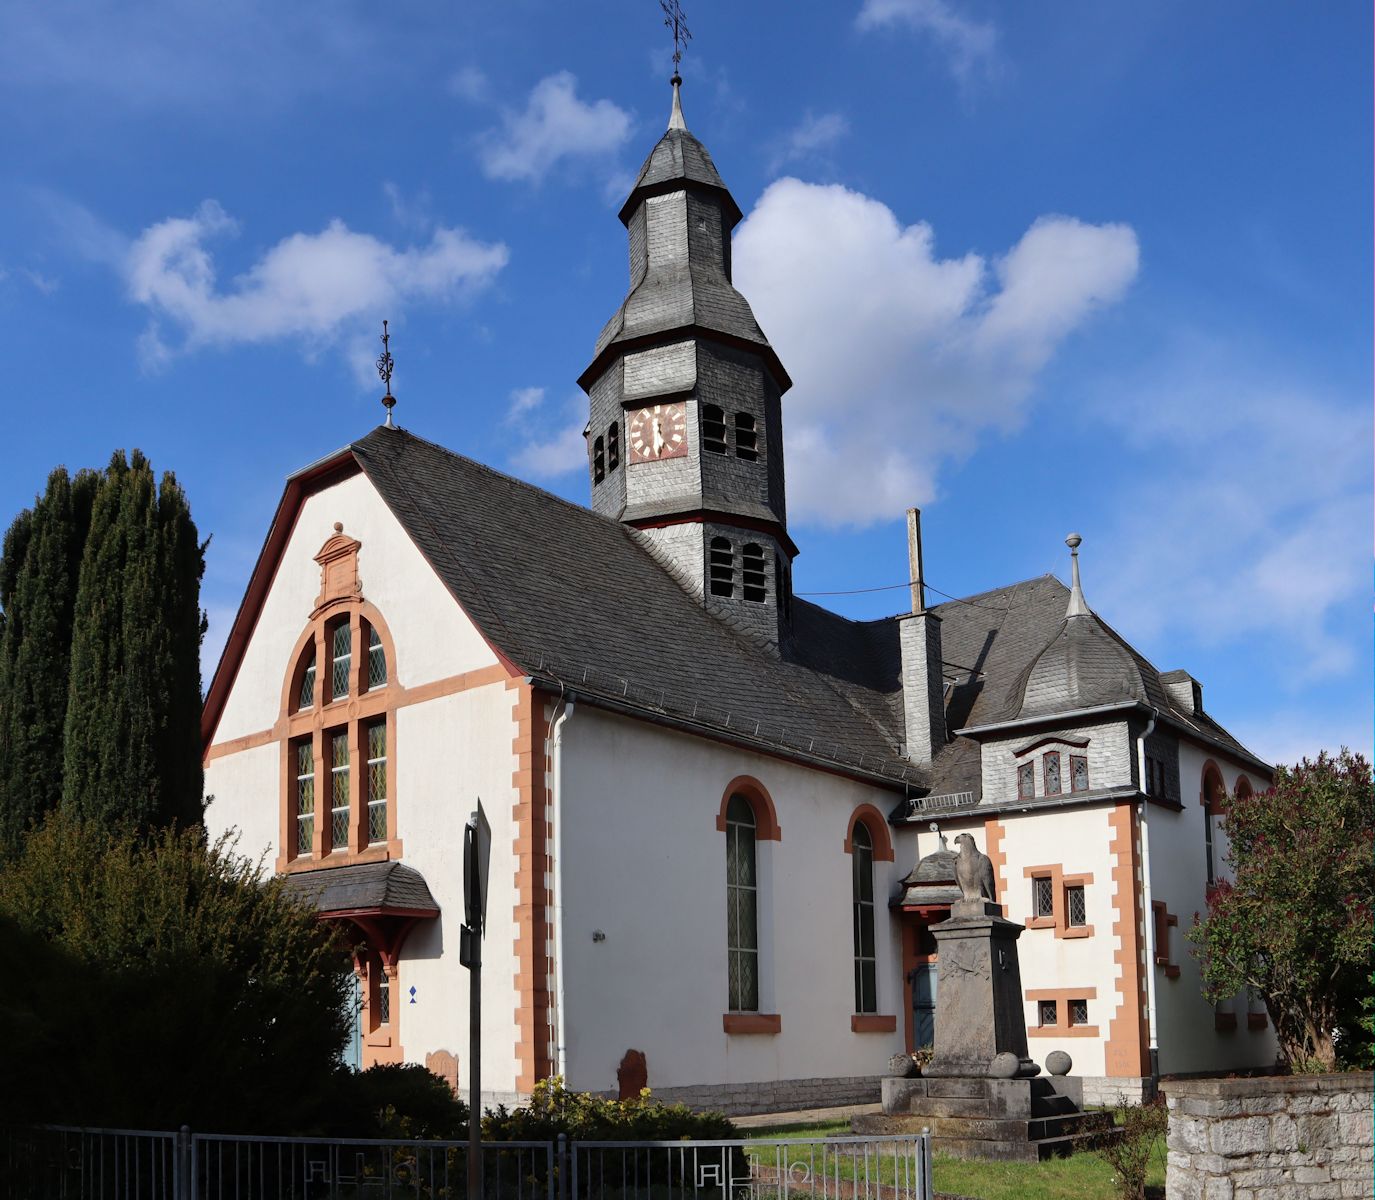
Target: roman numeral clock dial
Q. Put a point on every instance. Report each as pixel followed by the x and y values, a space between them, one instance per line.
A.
pixel 658 432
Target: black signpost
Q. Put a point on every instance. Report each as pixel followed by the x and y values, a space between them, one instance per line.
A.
pixel 477 855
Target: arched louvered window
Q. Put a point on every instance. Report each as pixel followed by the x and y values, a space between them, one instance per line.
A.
pixel 742 907
pixel 598 461
pixel 713 429
pixel 862 904
pixel 721 568
pixel 746 437
pixel 752 574
pixel 613 446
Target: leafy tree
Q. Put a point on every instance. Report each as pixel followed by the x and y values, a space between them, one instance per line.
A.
pixel 1294 923
pixel 131 745
pixel 170 984
pixel 38 574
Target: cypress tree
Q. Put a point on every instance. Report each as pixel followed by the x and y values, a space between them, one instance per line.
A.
pixel 38 573
pixel 133 702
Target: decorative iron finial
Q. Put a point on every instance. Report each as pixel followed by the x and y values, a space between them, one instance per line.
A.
pixel 682 35
pixel 1078 607
pixel 384 366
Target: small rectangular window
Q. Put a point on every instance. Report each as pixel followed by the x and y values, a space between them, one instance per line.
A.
pixel 1052 773
pixel 1042 896
pixel 339 790
pixel 1026 781
pixel 1076 909
pixel 746 437
pixel 1078 1012
pixel 341 660
pixel 377 782
pixel 1045 1013
pixel 1078 773
pixel 383 996
pixel 305 797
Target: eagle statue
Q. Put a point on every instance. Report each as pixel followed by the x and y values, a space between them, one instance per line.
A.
pixel 973 871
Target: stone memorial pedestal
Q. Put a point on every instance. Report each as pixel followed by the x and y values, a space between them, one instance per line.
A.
pixel 981 1096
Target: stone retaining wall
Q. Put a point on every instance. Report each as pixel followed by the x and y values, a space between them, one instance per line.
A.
pixel 780 1095
pixel 1299 1137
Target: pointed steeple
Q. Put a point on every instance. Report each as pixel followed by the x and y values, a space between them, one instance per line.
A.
pixel 675 116
pixel 1078 607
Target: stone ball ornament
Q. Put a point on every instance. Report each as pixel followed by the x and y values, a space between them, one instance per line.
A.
pixel 903 1066
pixel 1058 1062
pixel 1004 1065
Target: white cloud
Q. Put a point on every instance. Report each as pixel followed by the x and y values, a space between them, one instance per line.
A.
pixel 561 454
pixel 971 46
pixel 309 286
pixel 524 400
pixel 811 137
pixel 1254 520
pixel 554 125
pixel 902 360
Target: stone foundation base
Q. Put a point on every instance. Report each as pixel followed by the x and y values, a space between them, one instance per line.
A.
pixel 1106 1091
pixel 774 1095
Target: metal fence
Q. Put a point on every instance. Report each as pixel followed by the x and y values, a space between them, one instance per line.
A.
pixel 58 1163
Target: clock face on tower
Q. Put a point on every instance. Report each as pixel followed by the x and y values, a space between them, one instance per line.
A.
pixel 658 432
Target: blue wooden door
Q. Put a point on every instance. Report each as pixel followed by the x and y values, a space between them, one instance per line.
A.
pixel 924 1005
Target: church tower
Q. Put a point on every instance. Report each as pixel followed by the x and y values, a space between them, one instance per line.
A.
pixel 685 437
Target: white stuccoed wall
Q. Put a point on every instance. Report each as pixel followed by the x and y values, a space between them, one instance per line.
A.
pixel 448 752
pixel 645 864
pixel 1185 1029
pixel 1078 840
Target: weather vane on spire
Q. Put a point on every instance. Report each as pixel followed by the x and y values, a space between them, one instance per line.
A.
pixel 384 366
pixel 682 35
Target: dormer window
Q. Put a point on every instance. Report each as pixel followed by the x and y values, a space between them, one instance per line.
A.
pixel 341 660
pixel 722 568
pixel 1078 773
pixel 1026 781
pixel 713 429
pixel 598 461
pixel 1051 763
pixel 613 446
pixel 746 437
pixel 752 574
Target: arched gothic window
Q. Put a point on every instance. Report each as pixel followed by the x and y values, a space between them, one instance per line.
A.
pixel 742 907
pixel 1214 796
pixel 721 568
pixel 862 905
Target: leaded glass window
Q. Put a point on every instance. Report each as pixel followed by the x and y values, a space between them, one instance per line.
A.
pixel 1045 1010
pixel 746 437
pixel 377 782
pixel 306 697
pixel 862 893
pixel 1078 1012
pixel 383 996
pixel 1026 781
pixel 1052 770
pixel 713 429
pixel 1078 773
pixel 377 660
pixel 1042 896
pixel 752 573
pixel 305 797
pixel 722 567
pixel 341 661
pixel 339 790
pixel 1075 906
pixel 742 927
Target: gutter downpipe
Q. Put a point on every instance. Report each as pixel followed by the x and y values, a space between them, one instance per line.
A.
pixel 560 1044
pixel 1152 1041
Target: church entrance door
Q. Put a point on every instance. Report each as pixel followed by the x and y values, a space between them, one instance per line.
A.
pixel 924 1005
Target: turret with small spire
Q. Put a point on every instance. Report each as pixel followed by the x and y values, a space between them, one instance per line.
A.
pixel 685 433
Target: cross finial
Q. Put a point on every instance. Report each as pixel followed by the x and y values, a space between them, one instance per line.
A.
pixel 682 35
pixel 384 366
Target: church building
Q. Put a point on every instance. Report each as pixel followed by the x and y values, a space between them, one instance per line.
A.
pixel 719 812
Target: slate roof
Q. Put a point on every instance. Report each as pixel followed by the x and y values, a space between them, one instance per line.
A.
pixel 572 598
pixel 677 157
pixel 383 886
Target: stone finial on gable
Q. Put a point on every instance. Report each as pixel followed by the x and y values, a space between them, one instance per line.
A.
pixel 338 559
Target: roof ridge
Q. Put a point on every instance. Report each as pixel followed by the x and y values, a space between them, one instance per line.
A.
pixel 1007 587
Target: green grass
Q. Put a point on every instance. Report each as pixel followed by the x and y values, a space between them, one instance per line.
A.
pixel 1080 1177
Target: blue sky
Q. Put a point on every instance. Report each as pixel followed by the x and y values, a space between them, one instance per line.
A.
pixel 1034 267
